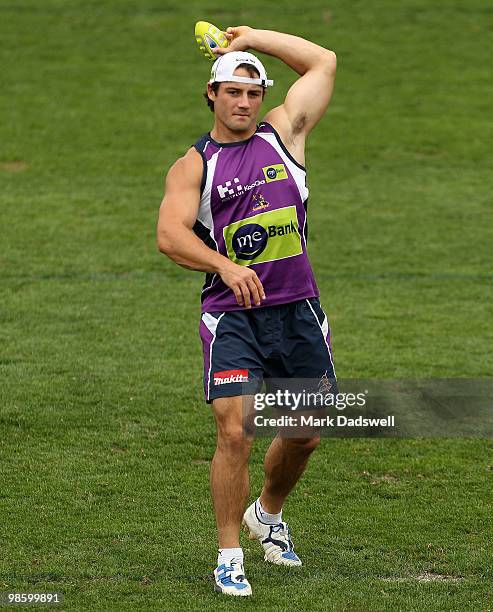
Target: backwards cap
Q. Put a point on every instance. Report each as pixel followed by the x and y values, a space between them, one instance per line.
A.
pixel 225 65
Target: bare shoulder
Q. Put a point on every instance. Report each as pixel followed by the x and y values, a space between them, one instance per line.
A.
pixel 291 132
pixel 186 171
pixel 182 190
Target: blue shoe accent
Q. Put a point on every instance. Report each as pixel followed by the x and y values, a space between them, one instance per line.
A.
pixel 290 555
pixel 224 577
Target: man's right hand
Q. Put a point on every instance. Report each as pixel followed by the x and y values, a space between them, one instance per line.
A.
pixel 238 40
pixel 244 283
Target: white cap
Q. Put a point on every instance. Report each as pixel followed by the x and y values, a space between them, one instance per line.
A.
pixel 225 65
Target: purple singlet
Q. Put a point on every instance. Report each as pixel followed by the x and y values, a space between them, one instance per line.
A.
pixel 253 210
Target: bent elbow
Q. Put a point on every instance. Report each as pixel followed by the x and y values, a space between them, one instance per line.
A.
pixel 331 61
pixel 164 244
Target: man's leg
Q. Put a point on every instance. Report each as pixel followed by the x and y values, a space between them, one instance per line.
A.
pixel 285 462
pixel 229 469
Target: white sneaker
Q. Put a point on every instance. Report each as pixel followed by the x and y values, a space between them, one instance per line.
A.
pixel 230 580
pixel 276 539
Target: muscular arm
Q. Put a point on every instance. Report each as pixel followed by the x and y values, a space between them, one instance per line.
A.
pixel 177 216
pixel 308 98
pixel 177 240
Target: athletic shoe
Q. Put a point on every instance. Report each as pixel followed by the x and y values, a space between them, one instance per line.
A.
pixel 230 580
pixel 276 539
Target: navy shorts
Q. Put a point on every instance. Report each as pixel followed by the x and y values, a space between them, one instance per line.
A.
pixel 242 348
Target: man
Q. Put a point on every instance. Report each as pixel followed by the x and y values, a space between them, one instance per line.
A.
pixel 235 208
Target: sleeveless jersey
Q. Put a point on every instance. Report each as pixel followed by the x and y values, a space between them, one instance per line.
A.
pixel 253 209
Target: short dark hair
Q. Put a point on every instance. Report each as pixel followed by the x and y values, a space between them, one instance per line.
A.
pixel 252 71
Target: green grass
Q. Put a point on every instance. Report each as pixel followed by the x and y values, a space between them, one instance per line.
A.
pixel 105 441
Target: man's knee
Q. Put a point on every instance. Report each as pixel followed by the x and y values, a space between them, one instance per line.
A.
pixel 304 446
pixel 234 440
pixel 231 434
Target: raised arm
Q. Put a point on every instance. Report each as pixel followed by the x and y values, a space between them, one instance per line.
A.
pixel 308 98
pixel 177 240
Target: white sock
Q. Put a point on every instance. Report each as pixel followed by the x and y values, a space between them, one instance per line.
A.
pixel 229 556
pixel 266 517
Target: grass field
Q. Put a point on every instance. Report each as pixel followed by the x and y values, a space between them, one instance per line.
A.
pixel 105 441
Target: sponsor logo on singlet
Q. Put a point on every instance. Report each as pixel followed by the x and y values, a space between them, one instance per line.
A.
pixel 232 189
pixel 268 236
pixel 260 202
pixel 276 172
pixel 230 376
